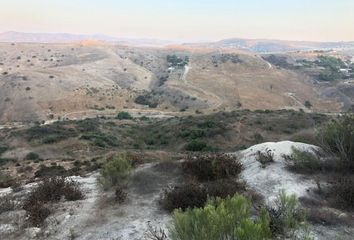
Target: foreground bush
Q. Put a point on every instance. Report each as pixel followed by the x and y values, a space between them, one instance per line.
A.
pixel 220 220
pixel 48 191
pixel 342 192
pixel 211 167
pixel 286 217
pixel 115 171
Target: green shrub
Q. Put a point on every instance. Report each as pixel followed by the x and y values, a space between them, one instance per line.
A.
pixel 124 116
pixel 100 139
pixel 337 139
pixel 303 162
pixel 220 220
pixel 3 149
pixel 207 167
pixel 198 146
pixel 146 100
pixel 286 217
pixel 32 156
pixel 115 171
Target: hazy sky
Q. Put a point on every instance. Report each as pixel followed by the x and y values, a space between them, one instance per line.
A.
pixel 321 20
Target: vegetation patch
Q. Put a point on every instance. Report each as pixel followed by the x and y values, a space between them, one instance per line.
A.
pixel 341 192
pixel 115 171
pixel 209 167
pixel 32 156
pixel 7 203
pixel 304 162
pixel 101 139
pixel 50 190
pixel 183 197
pixel 146 100
pixel 124 116
pixel 336 139
pixel 286 217
pixel 211 222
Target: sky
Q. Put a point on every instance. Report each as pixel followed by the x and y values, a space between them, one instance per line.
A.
pixel 315 20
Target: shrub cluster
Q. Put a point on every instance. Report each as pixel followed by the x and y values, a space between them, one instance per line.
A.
pixel 220 220
pixel 342 191
pixel 48 191
pixel 198 145
pixel 32 156
pixel 115 171
pixel 120 194
pixel 217 175
pixel 337 138
pixel 7 203
pixel 124 116
pixel 183 197
pixel 303 162
pixel 286 217
pixel 209 167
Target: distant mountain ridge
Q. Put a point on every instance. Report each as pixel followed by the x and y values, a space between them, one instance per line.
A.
pixel 252 45
pixel 265 45
pixel 17 37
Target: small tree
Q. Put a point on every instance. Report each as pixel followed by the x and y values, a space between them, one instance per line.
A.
pixel 115 171
pixel 337 139
pixel 308 104
pixel 124 115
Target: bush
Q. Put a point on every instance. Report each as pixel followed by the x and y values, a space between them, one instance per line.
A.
pixel 7 203
pixel 224 188
pixel 52 171
pixel 115 171
pixel 120 194
pixel 303 162
pixel 37 213
pixel 342 192
pixel 146 100
pixel 3 149
pixel 155 233
pixel 32 156
pixel 197 146
pixel 220 220
pixel 48 191
pixel 124 116
pixel 265 158
pixel 183 197
pixel 337 138
pixel 210 167
pixel 286 217
pixel 308 104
